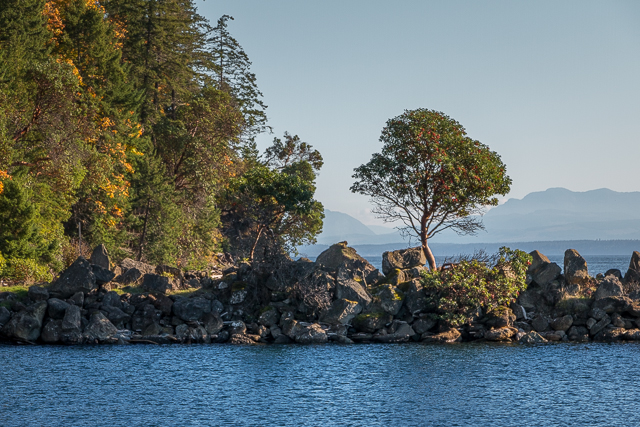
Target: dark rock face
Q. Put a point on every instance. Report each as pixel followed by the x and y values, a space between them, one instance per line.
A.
pixel 398 332
pixel 541 270
pixel 144 268
pixel 212 323
pixel 341 311
pixel 191 309
pixel 562 323
pixel 5 315
pixel 311 334
pixel 633 273
pixel 52 331
pixel 391 299
pixel 499 317
pixel 71 326
pixel 100 257
pixel 352 290
pixel 609 287
pixel 423 325
pixel 57 308
pixel 371 322
pixel 156 284
pixel 37 293
pixel 575 268
pixel 269 318
pixel 130 277
pixel 402 259
pixel 500 334
pixel 26 324
pixel 102 274
pixel 111 299
pixel 99 328
pixel 78 277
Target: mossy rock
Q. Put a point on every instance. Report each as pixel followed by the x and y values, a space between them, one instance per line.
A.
pixel 574 305
pixel 371 322
pixel 337 255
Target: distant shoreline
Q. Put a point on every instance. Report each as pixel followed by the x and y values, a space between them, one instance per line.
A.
pixel 557 247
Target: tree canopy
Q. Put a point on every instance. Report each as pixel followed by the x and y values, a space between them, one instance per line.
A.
pixel 431 176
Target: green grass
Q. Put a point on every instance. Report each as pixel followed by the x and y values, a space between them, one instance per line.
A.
pixel 20 291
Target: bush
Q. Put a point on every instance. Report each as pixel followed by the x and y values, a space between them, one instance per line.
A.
pixel 27 270
pixel 457 292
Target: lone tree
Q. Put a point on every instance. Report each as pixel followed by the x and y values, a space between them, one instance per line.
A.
pixel 431 176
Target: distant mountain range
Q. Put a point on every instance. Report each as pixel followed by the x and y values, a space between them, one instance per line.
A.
pixel 556 214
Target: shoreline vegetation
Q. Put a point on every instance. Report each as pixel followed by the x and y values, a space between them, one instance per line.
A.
pixel 511 297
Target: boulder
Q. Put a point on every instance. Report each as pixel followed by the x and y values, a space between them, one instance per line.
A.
pixel 599 326
pixel 578 333
pixel 238 292
pixel 5 316
pixel 421 326
pixel 311 334
pixel 391 299
pixel 78 277
pixel 71 326
pixel 532 338
pixel 164 304
pixel 77 299
pixel 99 328
pixel 146 320
pixel 116 316
pixel 617 304
pixel 352 290
pixel 416 302
pixel 212 323
pixel 633 273
pixel 155 283
pixel 38 293
pixel 102 275
pixel 575 268
pixel 269 318
pixel 52 331
pixel 402 259
pixel 191 309
pixel 614 272
pixel 499 317
pixel 448 336
pixel 242 339
pixel 57 308
pixel 144 268
pixel 500 334
pixel 131 276
pixel 341 311
pixel 541 270
pixel 371 322
pixel 100 257
pixel 111 299
pixel 26 324
pixel 339 255
pixel 562 323
pixel 398 332
pixel 540 324
pixel 237 327
pixel 609 287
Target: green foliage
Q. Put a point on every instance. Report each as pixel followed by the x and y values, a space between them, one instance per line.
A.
pixel 456 293
pixel 431 176
pixel 25 270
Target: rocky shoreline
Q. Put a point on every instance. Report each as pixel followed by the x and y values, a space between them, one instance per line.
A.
pixel 338 298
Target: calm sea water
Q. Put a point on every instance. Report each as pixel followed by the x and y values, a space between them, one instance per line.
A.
pixel 326 385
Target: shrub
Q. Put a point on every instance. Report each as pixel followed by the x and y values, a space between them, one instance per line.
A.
pixel 25 270
pixel 457 292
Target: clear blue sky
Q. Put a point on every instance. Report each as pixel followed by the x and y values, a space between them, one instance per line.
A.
pixel 553 87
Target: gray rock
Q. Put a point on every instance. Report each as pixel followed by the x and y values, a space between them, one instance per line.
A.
pixel 352 290
pixel 562 323
pixel 341 311
pixel 541 270
pixel 341 255
pixel 102 275
pixel 312 334
pixel 100 328
pixel 56 308
pixel 212 323
pixel 590 322
pixel 540 324
pixel 619 304
pixel 38 293
pixel 146 320
pixel 614 272
pixel 633 273
pixel 500 334
pixel 391 299
pixel 597 313
pixel 131 276
pixel 116 316
pixel 269 318
pixel 532 338
pixel 399 332
pixel 578 333
pixel 237 327
pixel 609 287
pixel 155 283
pixel 5 315
pixel 421 326
pixel 100 257
pixel 402 259
pixel 72 320
pixel 111 299
pixel 499 317
pixel 144 268
pixel 191 309
pixel 371 322
pixel 575 268
pixel 77 299
pixel 416 302
pixel 599 326
pixel 26 324
pixel 52 331
pixel 78 277
pixel 290 327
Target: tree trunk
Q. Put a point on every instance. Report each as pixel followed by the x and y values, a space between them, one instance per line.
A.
pixel 431 260
pixel 255 244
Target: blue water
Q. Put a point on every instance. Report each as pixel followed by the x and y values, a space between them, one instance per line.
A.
pixel 327 385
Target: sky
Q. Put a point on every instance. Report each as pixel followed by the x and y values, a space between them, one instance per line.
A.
pixel 553 87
